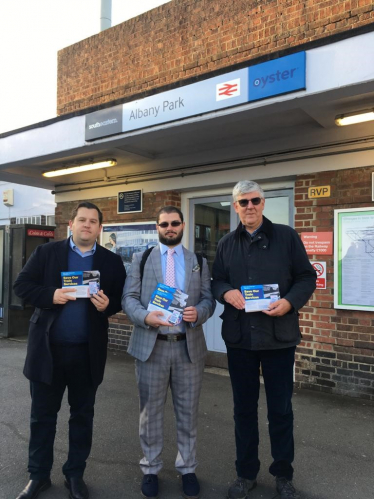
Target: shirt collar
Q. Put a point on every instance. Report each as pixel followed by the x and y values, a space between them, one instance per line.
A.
pixel 256 231
pixel 267 228
pixel 75 248
pixel 178 249
pixel 252 234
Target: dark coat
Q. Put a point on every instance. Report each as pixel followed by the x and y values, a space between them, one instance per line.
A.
pixel 36 284
pixel 275 256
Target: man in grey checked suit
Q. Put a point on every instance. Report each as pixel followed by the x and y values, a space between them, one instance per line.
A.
pixel 166 354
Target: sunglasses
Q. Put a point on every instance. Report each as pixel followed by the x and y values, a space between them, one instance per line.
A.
pixel 175 223
pixel 245 202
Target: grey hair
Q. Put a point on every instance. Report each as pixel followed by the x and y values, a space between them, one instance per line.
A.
pixel 246 186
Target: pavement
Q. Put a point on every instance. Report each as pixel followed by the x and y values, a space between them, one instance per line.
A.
pixel 334 442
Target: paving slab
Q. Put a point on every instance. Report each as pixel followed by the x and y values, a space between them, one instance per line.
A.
pixel 334 441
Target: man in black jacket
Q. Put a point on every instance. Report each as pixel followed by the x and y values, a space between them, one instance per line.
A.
pixel 260 252
pixel 67 345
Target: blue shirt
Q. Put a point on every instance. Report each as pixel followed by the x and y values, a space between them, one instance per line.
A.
pixel 252 234
pixel 178 264
pixel 75 248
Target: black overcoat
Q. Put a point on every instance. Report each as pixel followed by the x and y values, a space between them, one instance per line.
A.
pixel 276 255
pixel 36 284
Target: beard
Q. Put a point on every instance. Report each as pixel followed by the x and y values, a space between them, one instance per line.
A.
pixel 171 241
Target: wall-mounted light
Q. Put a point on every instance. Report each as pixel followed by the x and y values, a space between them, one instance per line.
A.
pixel 82 168
pixel 353 118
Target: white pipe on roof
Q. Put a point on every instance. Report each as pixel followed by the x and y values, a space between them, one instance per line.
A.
pixel 106 15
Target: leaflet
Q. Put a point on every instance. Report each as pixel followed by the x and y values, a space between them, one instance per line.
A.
pixel 259 296
pixel 170 301
pixel 85 282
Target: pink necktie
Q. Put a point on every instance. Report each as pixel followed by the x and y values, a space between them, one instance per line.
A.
pixel 170 269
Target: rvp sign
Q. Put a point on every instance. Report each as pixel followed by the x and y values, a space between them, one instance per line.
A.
pixel 323 191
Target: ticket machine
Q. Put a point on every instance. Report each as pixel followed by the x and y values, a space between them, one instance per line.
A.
pixel 17 242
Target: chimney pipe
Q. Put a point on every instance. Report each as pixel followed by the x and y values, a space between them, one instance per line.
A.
pixel 106 15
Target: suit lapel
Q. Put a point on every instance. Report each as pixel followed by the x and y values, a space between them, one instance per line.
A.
pixel 98 258
pixel 156 263
pixel 62 252
pixel 188 266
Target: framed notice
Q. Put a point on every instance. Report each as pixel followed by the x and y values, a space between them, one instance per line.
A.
pixel 130 201
pixel 129 238
pixel 354 259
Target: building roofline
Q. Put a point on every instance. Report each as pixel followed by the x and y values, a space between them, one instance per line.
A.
pixel 257 60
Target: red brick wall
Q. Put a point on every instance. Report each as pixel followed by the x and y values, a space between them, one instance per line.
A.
pixel 187 38
pixel 119 327
pixel 337 352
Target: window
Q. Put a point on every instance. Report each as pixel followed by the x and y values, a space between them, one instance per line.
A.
pixel 29 220
pixel 51 220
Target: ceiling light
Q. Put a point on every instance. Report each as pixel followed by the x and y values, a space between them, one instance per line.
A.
pixel 353 118
pixel 82 168
pixel 225 203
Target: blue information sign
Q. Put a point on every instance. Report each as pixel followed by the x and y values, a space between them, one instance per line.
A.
pixel 130 201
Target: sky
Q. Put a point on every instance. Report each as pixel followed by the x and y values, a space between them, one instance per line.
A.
pixel 31 33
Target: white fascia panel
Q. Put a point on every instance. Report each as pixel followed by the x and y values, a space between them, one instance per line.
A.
pixel 43 141
pixel 340 64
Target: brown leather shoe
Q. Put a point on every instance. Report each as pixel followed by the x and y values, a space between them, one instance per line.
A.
pixel 34 487
pixel 77 488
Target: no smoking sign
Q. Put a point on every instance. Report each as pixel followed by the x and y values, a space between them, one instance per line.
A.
pixel 320 268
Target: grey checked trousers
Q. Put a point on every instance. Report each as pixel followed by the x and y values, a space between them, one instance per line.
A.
pixel 168 365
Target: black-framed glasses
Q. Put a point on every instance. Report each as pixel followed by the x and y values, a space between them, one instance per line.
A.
pixel 174 223
pixel 245 202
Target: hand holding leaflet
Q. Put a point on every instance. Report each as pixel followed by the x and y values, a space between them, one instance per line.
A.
pixel 62 296
pixel 278 308
pixel 170 301
pixel 100 300
pixel 83 283
pixel 156 319
pixel 258 297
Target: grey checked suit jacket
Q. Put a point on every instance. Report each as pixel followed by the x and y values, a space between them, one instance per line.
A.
pixel 136 296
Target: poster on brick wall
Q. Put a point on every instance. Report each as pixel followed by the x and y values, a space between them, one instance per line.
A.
pixel 125 239
pixel 354 259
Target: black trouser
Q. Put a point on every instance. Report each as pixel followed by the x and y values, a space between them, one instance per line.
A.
pixel 277 371
pixel 71 369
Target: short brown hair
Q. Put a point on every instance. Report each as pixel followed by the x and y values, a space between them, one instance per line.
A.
pixel 89 206
pixel 169 209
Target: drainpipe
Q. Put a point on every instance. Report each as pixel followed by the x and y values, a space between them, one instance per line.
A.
pixel 106 15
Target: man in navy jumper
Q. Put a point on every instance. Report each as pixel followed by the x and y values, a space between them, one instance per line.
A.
pixel 67 345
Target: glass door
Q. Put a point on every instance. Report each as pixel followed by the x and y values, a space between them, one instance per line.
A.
pixel 213 217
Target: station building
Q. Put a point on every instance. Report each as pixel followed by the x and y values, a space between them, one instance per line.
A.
pixel 191 97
